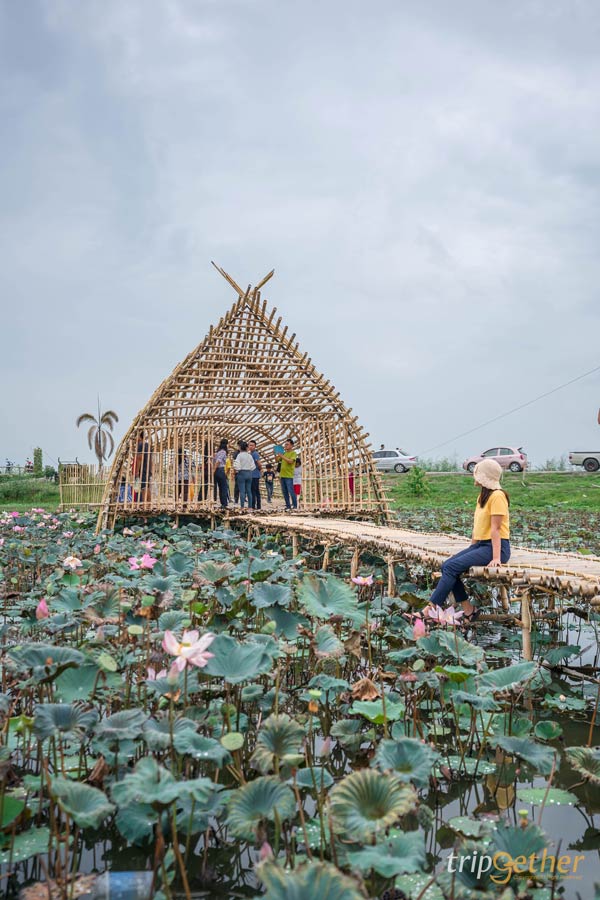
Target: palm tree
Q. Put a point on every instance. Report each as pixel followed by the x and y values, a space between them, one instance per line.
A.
pixel 100 439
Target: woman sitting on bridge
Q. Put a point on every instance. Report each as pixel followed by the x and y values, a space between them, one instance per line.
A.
pixel 490 544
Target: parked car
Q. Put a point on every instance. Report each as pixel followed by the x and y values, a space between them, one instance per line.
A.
pixel 508 457
pixel 393 460
pixel 589 459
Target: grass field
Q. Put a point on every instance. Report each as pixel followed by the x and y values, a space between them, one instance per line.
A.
pixel 535 490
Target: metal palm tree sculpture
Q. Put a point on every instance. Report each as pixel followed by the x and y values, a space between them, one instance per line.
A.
pixel 100 438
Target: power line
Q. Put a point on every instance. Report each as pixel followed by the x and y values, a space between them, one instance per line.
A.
pixel 511 411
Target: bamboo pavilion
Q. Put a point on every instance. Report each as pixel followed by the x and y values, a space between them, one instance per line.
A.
pixel 247 380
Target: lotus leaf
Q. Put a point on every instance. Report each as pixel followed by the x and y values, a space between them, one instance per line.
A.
pixel 286 622
pixel 192 744
pixel 586 760
pixel 366 803
pixel 548 730
pixel 157 732
pixel 148 783
pixel 12 807
pixel 373 710
pixel 324 597
pixel 263 799
pixel 233 740
pixel 279 742
pixel 449 643
pixel 466 767
pixel 540 757
pixel 235 661
pixel 409 758
pixel 86 805
pixel 326 643
pixel 25 845
pixel 214 572
pixel 179 564
pixel 136 822
pixel 551 797
pixel 485 704
pixel 348 733
pixel 173 620
pixel 313 881
pixel 71 721
pixel 507 678
pixel 314 778
pixel 399 852
pixel 265 595
pixel 45 659
pixel 471 828
pixel 124 725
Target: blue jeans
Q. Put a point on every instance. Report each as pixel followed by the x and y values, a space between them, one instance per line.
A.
pixel 244 480
pixel 287 489
pixel 478 554
pixel 221 486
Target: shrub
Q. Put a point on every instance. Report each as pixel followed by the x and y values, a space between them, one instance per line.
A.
pixel 417 482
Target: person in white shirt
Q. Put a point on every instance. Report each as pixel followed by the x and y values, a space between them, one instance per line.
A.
pixel 244 466
pixel 297 480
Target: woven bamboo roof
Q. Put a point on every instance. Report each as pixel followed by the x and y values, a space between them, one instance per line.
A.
pixel 247 379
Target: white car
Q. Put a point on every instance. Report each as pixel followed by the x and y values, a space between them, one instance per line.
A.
pixel 393 460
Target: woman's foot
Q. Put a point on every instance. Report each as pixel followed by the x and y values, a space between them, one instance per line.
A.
pixel 470 613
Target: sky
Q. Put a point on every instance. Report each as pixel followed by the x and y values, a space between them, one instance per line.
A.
pixel 423 176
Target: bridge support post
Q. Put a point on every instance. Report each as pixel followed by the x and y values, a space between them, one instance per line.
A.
pixel 526 625
pixel 294 545
pixel 355 563
pixel 504 598
pixel 325 558
pixel 391 586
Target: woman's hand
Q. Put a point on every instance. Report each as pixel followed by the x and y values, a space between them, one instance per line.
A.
pixel 493 563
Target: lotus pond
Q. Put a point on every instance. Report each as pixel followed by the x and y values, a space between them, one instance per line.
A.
pixel 235 722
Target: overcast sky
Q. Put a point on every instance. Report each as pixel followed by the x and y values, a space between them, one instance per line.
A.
pixel 424 177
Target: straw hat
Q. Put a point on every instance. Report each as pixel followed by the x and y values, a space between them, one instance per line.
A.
pixel 487 473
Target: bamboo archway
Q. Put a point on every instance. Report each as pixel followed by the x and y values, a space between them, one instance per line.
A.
pixel 246 380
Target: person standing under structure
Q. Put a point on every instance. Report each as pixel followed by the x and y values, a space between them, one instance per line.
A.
pixel 255 485
pixel 286 474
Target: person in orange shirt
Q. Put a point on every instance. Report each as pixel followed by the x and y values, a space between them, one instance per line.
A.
pixel 490 543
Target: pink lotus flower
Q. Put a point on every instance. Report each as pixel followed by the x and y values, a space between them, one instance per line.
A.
pixel 443 616
pixel 363 581
pixel 191 650
pixel 153 674
pixel 148 544
pixel 71 562
pixel 165 550
pixel 419 628
pixel 326 747
pixel 42 611
pixel 147 561
pixel 68 534
pixel 133 563
pixel 38 509
pixel 266 851
pixel 15 514
pixel 19 528
pixel 97 549
pixel 128 531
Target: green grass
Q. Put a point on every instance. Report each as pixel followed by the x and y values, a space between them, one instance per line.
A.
pixel 21 492
pixel 535 490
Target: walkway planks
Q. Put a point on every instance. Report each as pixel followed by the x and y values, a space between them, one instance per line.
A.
pixel 571 574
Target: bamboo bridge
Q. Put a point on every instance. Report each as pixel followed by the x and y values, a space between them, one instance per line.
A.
pixel 543 574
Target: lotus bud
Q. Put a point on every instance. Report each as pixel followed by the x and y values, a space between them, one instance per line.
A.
pixel 266 852
pixel 42 611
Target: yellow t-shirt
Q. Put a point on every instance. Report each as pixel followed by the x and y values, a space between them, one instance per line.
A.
pixel 497 505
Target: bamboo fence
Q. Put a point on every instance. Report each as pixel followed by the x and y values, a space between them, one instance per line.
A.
pixel 247 380
pixel 81 485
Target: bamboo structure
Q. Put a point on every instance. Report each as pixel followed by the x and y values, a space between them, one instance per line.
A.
pixel 247 380
pixel 81 486
pixel 571 575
